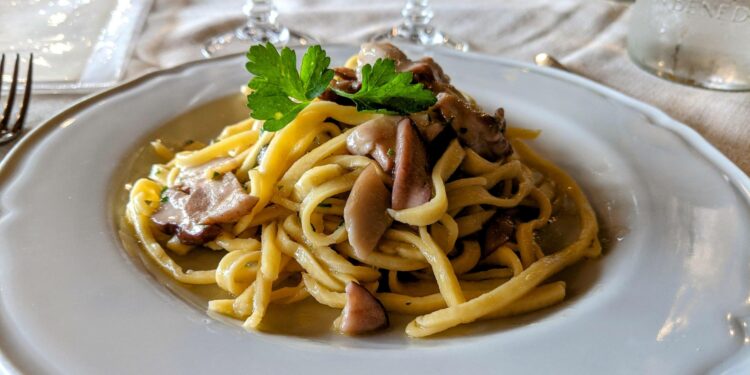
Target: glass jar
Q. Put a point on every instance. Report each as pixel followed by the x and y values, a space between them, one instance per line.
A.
pixel 703 43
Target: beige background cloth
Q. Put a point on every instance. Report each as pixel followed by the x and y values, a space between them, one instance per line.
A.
pixel 586 35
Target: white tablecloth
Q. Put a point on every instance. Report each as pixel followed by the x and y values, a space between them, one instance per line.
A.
pixel 587 35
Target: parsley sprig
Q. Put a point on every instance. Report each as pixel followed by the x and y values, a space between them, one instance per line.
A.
pixel 280 91
pixel 385 90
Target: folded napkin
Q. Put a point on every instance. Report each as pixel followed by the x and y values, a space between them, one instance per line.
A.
pixel 587 35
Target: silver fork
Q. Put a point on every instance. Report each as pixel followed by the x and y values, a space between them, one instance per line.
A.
pixel 8 132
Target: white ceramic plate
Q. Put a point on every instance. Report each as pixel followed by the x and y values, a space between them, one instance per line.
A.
pixel 669 296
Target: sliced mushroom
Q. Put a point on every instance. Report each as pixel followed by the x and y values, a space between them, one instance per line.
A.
pixel 411 184
pixel 365 213
pixel 479 131
pixel 428 126
pixel 345 73
pixel 437 134
pixel 363 312
pixel 193 208
pixel 345 79
pixel 171 218
pixel 371 52
pixel 219 201
pixel 498 230
pixel 376 138
pixel 427 72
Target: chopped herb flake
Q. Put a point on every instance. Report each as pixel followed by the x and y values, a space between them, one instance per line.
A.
pixel 164 197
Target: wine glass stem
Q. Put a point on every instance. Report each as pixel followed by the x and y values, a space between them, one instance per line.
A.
pixel 417 15
pixel 261 13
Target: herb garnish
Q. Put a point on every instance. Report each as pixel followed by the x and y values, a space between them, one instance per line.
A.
pixel 384 90
pixel 280 91
pixel 164 197
pixel 391 152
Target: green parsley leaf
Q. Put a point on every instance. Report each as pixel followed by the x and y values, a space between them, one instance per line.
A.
pixel 280 92
pixel 314 72
pixel 216 175
pixel 391 153
pixel 385 90
pixel 272 105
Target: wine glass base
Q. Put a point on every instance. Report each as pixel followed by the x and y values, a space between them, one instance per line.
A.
pixel 241 39
pixel 427 37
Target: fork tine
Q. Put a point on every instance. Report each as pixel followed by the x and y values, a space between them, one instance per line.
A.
pixel 26 97
pixel 2 72
pixel 11 96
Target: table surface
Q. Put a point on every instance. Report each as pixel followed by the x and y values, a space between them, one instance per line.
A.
pixel 586 35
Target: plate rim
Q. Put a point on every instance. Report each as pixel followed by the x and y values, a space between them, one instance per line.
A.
pixel 737 178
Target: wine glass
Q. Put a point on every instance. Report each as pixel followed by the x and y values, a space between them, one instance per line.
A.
pixel 262 26
pixel 415 28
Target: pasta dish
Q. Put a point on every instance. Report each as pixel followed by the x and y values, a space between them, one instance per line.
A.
pixel 375 188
